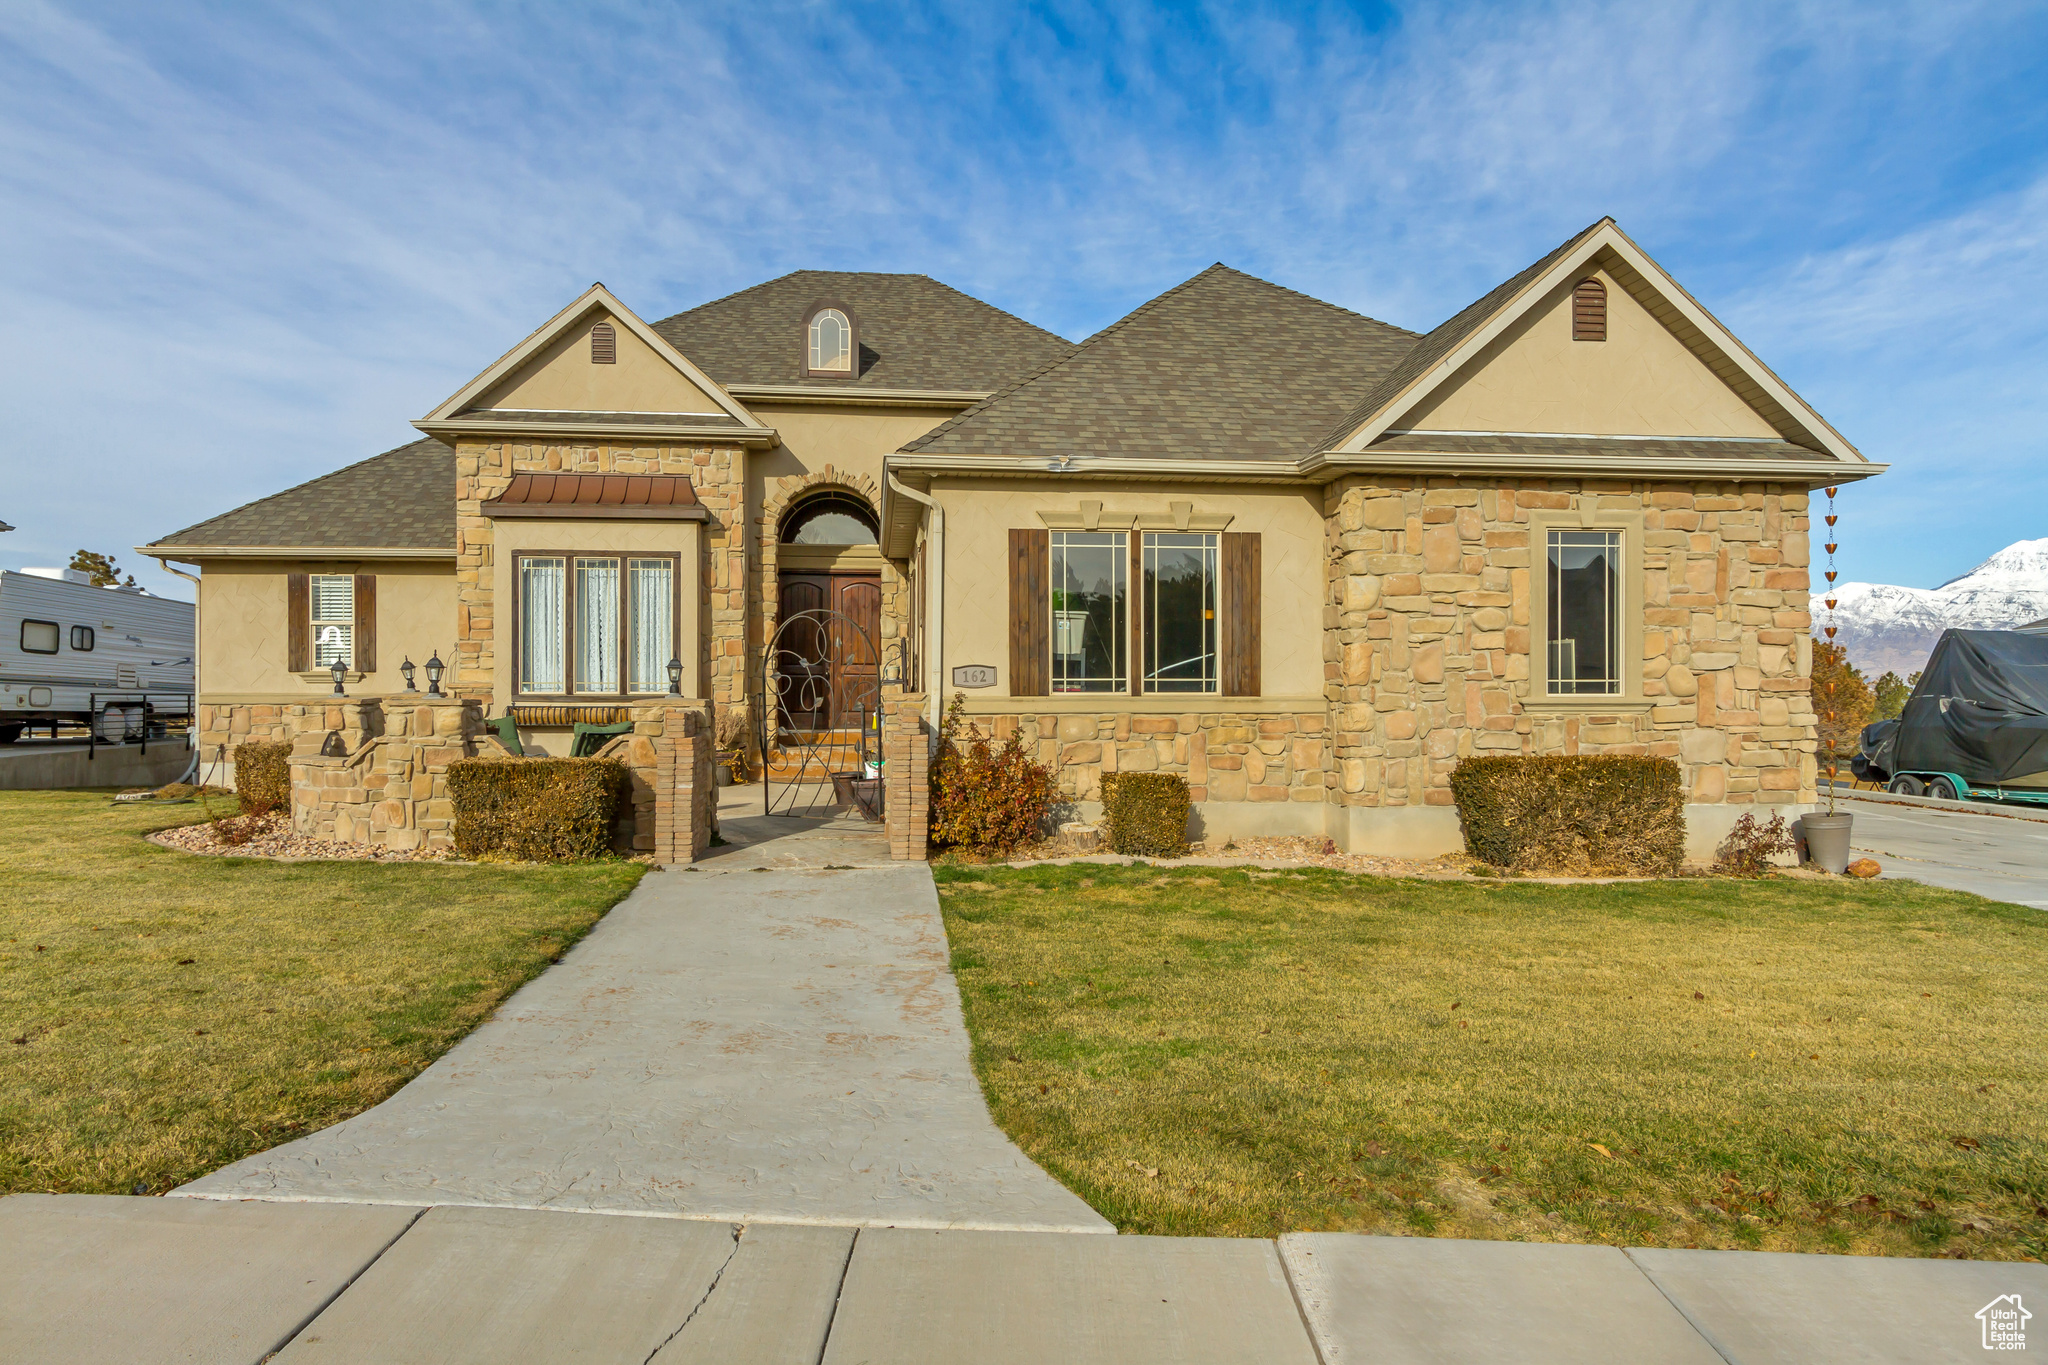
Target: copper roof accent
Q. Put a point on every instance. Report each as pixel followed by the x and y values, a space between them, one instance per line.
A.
pixel 598 497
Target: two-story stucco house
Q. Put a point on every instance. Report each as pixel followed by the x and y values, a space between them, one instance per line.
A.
pixel 1306 558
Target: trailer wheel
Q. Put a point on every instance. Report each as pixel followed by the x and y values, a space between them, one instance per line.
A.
pixel 1907 786
pixel 1943 790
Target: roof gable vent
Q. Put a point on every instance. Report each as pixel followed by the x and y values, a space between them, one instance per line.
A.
pixel 1589 311
pixel 604 344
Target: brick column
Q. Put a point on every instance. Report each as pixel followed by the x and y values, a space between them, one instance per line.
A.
pixel 679 810
pixel 906 766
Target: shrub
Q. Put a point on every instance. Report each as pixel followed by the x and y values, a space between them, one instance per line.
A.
pixel 984 800
pixel 538 810
pixel 1145 814
pixel 263 776
pixel 1749 847
pixel 236 830
pixel 1576 814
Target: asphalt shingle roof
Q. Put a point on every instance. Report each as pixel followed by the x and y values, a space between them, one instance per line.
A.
pixel 1224 366
pixel 915 333
pixel 402 499
pixel 1620 447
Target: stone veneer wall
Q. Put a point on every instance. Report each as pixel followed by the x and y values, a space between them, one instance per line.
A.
pixel 1224 756
pixel 374 770
pixel 226 728
pixel 1428 636
pixel 672 813
pixel 716 472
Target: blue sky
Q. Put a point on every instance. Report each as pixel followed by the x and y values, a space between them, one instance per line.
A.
pixel 241 247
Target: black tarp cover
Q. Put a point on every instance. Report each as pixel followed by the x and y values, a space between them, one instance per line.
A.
pixel 1980 711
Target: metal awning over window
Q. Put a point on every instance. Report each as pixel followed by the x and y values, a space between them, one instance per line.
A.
pixel 599 497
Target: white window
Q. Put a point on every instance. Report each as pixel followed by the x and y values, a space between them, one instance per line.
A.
pixel 832 342
pixel 650 625
pixel 586 621
pixel 1088 593
pixel 543 620
pixel 334 618
pixel 1180 612
pixel 1583 632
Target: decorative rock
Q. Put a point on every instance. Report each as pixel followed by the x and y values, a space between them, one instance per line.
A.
pixel 1864 867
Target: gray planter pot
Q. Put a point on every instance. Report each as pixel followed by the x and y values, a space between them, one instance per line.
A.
pixel 1827 841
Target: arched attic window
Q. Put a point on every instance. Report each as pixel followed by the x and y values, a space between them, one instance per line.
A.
pixel 831 341
pixel 829 519
pixel 1589 311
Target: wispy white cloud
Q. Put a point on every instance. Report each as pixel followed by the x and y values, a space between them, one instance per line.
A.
pixel 242 249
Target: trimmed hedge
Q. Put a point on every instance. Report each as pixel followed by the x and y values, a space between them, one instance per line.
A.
pixel 1577 814
pixel 1145 814
pixel 263 776
pixel 537 810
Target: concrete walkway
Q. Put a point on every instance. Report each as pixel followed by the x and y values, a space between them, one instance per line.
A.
pixel 772 1036
pixel 100 1278
pixel 2002 855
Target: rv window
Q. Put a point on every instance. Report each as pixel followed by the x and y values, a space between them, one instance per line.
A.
pixel 39 637
pixel 81 638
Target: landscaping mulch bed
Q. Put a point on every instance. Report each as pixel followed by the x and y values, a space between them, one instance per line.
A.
pixel 277 841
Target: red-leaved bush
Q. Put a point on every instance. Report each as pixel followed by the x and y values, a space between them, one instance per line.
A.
pixel 985 800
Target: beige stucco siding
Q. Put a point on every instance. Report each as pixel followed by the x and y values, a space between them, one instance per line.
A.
pixel 245 637
pixel 562 379
pixel 1641 381
pixel 849 441
pixel 613 537
pixel 981 513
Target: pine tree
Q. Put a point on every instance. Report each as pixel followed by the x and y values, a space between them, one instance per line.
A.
pixel 105 572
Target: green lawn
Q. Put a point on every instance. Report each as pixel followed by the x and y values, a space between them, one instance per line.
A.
pixel 1797 1065
pixel 163 1014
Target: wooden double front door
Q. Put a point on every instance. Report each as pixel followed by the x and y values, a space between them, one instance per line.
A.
pixel 828 662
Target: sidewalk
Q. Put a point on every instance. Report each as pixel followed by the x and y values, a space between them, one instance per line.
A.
pixel 106 1278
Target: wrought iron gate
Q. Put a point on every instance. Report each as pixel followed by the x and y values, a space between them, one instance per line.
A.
pixel 821 723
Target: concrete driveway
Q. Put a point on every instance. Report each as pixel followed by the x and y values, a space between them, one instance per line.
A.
pixel 2004 857
pixel 773 1036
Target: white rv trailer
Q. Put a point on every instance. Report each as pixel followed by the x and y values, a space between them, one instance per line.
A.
pixel 106 657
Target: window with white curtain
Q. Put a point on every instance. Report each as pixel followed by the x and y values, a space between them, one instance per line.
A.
pixel 597 624
pixel 334 617
pixel 543 623
pixel 649 624
pixel 587 621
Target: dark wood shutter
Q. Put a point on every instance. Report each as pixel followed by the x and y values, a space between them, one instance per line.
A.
pixel 1589 311
pixel 366 623
pixel 298 631
pixel 1030 615
pixel 1240 641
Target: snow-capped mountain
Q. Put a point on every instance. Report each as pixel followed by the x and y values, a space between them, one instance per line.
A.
pixel 1888 628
